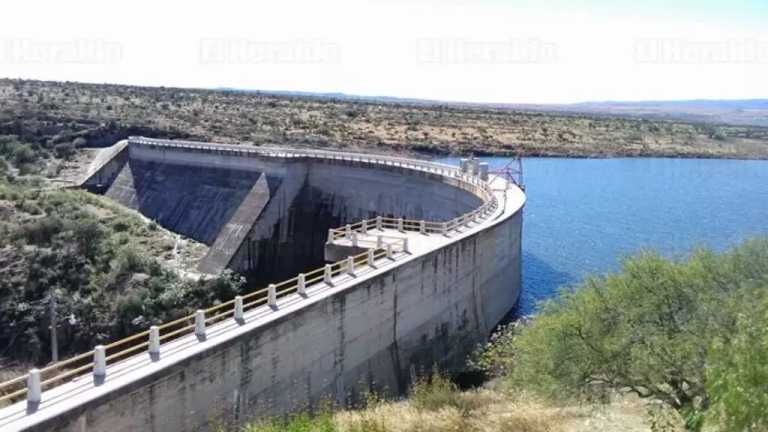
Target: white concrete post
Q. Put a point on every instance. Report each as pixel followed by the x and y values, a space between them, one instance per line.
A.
pixel 200 323
pixel 472 167
pixel 444 228
pixel 389 250
pixel 364 226
pixel 423 227
pixel 327 276
pixel 467 220
pixel 400 224
pixel 379 242
pixel 348 229
pixel 379 223
pixel 154 340
pixel 351 266
pixel 34 386
pixel 405 245
pixel 239 308
pixel 100 361
pixel 370 258
pixel 272 295
pixel 301 282
pixel 483 170
pixel 354 239
pixel 330 236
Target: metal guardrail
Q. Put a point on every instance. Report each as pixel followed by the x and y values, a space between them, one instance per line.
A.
pixel 95 361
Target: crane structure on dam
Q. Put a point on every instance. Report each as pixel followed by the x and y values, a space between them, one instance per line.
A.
pixel 512 172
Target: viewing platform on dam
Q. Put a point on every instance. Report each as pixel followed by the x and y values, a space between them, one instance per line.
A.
pixel 397 293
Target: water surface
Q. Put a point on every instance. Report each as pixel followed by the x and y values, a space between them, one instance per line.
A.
pixel 583 215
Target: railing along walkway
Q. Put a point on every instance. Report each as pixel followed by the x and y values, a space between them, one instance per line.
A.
pixel 204 323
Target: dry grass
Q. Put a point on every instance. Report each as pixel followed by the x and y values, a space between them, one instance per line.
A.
pixel 497 412
pixel 435 404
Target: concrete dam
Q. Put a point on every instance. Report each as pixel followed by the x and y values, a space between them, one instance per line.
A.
pixel 365 270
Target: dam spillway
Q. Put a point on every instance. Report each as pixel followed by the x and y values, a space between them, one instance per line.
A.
pixel 434 266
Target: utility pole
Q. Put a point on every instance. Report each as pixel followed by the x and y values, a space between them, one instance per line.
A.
pixel 54 338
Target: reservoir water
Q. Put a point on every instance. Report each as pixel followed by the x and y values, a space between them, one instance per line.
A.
pixel 584 215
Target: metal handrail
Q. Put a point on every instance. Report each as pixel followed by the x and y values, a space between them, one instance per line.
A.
pixel 192 323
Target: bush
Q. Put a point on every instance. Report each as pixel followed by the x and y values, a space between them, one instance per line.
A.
pixel 106 282
pixel 296 423
pixel 130 261
pixel 648 330
pixel 436 392
pixel 23 154
pixel 64 150
pixel 737 372
pixel 41 231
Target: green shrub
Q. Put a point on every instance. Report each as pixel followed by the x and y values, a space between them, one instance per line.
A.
pixel 737 372
pixel 647 330
pixel 64 150
pixel 41 231
pixel 29 206
pixel 435 392
pixel 130 261
pixel 322 422
pixel 106 282
pixel 23 154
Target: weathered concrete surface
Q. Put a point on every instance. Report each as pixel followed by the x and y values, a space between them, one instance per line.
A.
pixel 333 195
pixel 368 332
pixel 105 164
pixel 232 235
pixel 198 194
pixel 194 203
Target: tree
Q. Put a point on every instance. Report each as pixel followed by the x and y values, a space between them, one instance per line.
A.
pixel 737 374
pixel 65 150
pixel 647 330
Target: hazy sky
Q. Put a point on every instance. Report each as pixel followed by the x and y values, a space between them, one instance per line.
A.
pixel 483 51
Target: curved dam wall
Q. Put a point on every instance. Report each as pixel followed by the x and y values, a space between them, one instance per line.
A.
pixel 273 230
pixel 370 331
pixel 373 336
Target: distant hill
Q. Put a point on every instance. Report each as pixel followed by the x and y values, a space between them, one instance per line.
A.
pixel 748 112
pixel 347 97
pixel 752 112
pixel 55 118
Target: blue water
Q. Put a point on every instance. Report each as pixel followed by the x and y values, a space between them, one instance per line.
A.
pixel 583 215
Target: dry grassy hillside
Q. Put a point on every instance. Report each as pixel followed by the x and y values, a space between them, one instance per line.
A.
pixel 52 116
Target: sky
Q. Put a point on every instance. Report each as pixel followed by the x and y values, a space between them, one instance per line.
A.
pixel 513 51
